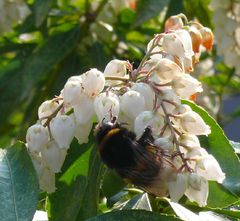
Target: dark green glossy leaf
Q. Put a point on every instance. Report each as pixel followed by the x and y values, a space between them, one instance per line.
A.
pixel 89 206
pixel 18 184
pixel 41 9
pixel 112 183
pixel 140 201
pixel 217 144
pixel 147 9
pixel 132 215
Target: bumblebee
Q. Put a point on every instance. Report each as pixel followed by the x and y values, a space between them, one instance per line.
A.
pixel 138 162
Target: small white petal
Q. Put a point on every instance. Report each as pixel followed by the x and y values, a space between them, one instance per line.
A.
pixel 84 110
pixel 147 92
pixel 93 82
pixel 116 68
pixel 185 85
pixel 47 180
pixel 106 105
pixel 197 190
pixel 132 104
pixel 37 137
pixel 63 128
pixel 47 108
pixel 82 132
pixel 192 123
pixel 209 168
pixel 165 143
pixel 72 90
pixel 178 187
pixel 54 156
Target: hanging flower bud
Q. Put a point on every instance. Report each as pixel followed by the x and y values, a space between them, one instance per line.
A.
pixel 197 189
pixel 189 141
pixel 93 82
pixel 132 104
pixel 47 108
pixel 82 132
pixel 54 156
pixel 192 123
pixel 207 38
pixel 116 68
pixel 47 180
pixel 148 119
pixel 84 110
pixel 62 128
pixel 196 38
pixel 185 85
pixel 173 23
pixel 37 137
pixel 178 187
pixel 174 101
pixel 106 105
pixel 72 90
pixel 208 167
pixel 147 92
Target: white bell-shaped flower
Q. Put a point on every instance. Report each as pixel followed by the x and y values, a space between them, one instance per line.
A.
pixel 84 110
pixel 148 118
pixel 116 68
pixel 63 128
pixel 166 70
pixel 173 23
pixel 155 51
pixel 47 180
pixel 147 92
pixel 181 109
pixel 132 104
pixel 47 108
pixel 106 105
pixel 178 43
pixel 164 143
pixel 37 164
pixel 192 123
pixel 82 132
pixel 37 137
pixel 208 167
pixel 185 85
pixel 197 189
pixel 93 82
pixel 72 90
pixel 54 156
pixel 178 187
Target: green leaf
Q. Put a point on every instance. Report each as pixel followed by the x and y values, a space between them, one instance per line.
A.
pixel 147 9
pixel 18 184
pixel 112 183
pixel 132 215
pixel 217 144
pixel 89 206
pixel 140 201
pixel 41 9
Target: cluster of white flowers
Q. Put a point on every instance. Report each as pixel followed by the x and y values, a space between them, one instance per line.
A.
pixel 227 20
pixel 149 96
pixel 11 12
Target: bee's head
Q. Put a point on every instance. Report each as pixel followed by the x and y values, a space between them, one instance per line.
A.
pixel 104 127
